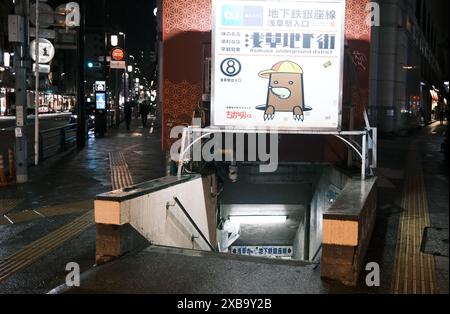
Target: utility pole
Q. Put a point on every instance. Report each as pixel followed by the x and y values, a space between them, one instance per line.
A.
pixel 20 64
pixel 36 75
pixel 116 97
pixel 81 107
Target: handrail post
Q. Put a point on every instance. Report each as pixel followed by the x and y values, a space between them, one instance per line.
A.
pixel 364 157
pixel 193 223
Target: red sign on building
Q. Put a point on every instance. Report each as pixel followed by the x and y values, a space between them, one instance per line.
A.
pixel 118 54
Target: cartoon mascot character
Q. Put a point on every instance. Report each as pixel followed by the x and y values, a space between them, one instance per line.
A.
pixel 285 92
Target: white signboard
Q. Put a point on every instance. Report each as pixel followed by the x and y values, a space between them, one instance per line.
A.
pixel 20 120
pixel 43 68
pixel 117 64
pixel 278 64
pixel 46 50
pixel 100 86
pixel 18 132
pixel 269 251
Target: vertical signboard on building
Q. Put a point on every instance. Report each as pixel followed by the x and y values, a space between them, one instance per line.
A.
pixel 278 64
pixel 100 100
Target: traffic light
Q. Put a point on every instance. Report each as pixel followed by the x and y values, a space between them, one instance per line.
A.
pixel 92 64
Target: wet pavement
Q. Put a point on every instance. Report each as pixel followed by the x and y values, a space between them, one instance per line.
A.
pixel 62 189
pixel 181 271
pixel 393 156
pixel 164 270
pixel 79 175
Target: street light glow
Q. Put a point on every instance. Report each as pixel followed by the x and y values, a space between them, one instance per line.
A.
pixel 6 59
pixel 114 40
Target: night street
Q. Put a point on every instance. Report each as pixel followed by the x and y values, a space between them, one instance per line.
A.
pixel 228 154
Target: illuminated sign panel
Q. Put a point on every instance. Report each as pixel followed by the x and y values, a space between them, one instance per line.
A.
pixel 117 54
pixel 100 101
pixel 278 64
pixel 268 251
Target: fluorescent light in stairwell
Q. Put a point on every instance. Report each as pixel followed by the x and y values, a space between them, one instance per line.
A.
pixel 259 219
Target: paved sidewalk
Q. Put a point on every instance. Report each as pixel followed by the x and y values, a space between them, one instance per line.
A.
pixel 405 174
pixel 412 195
pixel 38 220
pixel 79 175
pixel 408 166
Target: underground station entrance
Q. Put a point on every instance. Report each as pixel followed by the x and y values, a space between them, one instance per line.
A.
pixel 313 214
pixel 269 215
pixel 315 211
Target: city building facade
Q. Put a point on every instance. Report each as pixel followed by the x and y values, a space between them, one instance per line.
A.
pixel 409 61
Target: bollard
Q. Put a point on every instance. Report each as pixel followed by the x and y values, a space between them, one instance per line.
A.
pixel 3 180
pixel 12 174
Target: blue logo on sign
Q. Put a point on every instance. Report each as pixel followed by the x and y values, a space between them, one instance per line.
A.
pixel 253 16
pixel 231 15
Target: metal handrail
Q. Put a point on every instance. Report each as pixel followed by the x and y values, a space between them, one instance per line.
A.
pixel 60 132
pixel 194 224
pixel 58 128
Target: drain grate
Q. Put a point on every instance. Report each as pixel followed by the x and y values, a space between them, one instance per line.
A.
pixel 435 241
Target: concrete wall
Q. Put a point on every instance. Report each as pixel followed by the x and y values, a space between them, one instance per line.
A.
pixel 329 184
pixel 170 227
pixel 347 229
pixel 162 224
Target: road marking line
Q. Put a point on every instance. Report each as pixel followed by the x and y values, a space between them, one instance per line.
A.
pixel 35 250
pixel 6 217
pixel 29 256
pixel 42 242
pixel 39 213
pixel 418 274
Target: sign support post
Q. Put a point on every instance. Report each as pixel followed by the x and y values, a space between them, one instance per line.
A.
pixel 81 108
pixel 36 109
pixel 20 49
